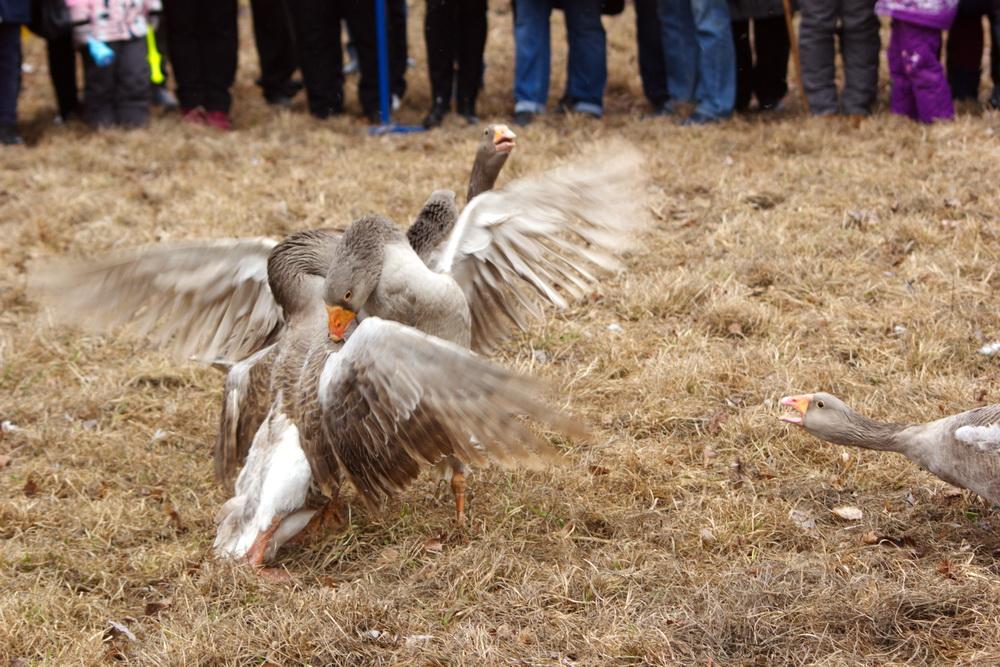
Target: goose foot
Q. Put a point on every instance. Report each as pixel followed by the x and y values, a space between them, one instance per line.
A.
pixel 458 488
pixel 322 522
pixel 257 551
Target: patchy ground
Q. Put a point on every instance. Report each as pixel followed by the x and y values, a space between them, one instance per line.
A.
pixel 787 255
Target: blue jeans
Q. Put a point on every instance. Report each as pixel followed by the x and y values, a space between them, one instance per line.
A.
pixel 701 60
pixel 587 67
pixel 10 71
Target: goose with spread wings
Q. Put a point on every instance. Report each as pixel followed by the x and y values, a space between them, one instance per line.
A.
pixel 544 238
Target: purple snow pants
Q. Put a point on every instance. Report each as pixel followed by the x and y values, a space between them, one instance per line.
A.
pixel 919 86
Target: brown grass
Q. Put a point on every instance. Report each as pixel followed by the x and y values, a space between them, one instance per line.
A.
pixel 783 258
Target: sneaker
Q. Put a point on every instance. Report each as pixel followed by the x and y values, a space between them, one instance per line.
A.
pixel 279 100
pixel 9 136
pixel 219 120
pixel 163 98
pixel 435 117
pixel 698 118
pixel 195 116
pixel 467 110
pixel 523 118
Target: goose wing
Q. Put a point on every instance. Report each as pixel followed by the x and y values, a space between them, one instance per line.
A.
pixel 394 400
pixel 979 430
pixel 209 299
pixel 543 239
pixel 246 399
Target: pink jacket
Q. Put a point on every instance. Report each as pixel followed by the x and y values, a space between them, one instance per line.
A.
pixel 111 20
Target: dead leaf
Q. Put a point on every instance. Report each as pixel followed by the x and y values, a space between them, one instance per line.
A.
pixel 735 329
pixel 174 518
pixel 946 569
pixel 116 629
pixel 871 537
pixel 4 460
pixel 946 492
pixel 707 454
pixel 715 422
pixel 848 513
pixel 154 607
pixel 706 536
pixel 599 470
pixel 802 519
pixel 31 488
pixel 433 545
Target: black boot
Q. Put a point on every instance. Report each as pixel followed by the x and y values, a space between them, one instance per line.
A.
pixel 467 110
pixel 9 136
pixel 438 111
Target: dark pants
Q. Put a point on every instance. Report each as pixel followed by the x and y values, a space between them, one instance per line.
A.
pixel 767 77
pixel 398 49
pixel 965 47
pixel 62 71
pixel 118 93
pixel 652 62
pixel 455 32
pixel 203 51
pixel 10 71
pixel 272 32
pixel 317 33
pixel 856 25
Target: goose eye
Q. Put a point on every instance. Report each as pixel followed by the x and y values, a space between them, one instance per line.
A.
pixel 348 295
pixel 819 404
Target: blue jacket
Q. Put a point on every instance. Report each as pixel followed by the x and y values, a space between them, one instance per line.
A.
pixel 15 11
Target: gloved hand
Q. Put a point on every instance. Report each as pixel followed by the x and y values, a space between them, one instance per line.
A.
pixel 102 54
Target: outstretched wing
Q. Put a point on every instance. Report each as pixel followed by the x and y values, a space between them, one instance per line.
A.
pixel 544 236
pixel 208 299
pixel 395 399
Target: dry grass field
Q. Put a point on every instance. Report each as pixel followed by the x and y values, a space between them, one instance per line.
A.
pixel 785 255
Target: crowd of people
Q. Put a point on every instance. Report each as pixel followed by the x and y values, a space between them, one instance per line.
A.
pixel 712 56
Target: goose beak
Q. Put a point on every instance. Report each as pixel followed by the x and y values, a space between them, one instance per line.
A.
pixel 503 139
pixel 798 403
pixel 338 319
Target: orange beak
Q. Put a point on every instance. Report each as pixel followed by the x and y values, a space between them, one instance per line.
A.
pixel 338 319
pixel 503 139
pixel 798 403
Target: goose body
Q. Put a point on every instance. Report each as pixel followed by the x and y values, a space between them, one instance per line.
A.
pixel 962 449
pixel 373 398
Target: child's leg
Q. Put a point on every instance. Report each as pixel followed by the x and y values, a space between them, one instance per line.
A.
pixel 132 92
pixel 98 93
pixel 930 86
pixel 901 99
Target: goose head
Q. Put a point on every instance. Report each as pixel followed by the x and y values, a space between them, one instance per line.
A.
pixel 495 147
pixel 828 418
pixel 355 271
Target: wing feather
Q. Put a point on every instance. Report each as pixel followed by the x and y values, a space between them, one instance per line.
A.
pixel 553 233
pixel 395 399
pixel 208 299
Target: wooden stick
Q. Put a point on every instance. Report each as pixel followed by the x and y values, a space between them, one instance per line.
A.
pixel 794 41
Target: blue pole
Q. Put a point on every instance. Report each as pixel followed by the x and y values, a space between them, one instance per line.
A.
pixel 382 43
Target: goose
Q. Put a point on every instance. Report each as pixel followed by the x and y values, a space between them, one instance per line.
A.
pixel 538 239
pixel 962 449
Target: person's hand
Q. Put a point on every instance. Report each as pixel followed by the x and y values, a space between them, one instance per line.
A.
pixel 102 54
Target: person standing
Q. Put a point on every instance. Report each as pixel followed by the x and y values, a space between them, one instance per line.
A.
pixel 203 54
pixel 455 34
pixel 701 60
pixel 765 75
pixel 13 14
pixel 652 63
pixel 321 56
pixel 587 73
pixel 272 33
pixel 112 34
pixel 965 50
pixel 919 87
pixel 855 23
